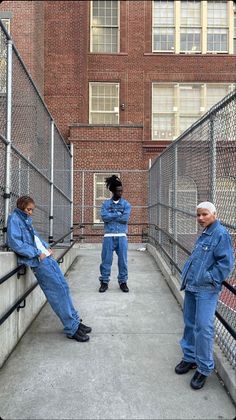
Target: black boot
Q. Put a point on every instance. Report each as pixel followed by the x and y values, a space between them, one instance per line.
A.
pixel 103 287
pixel 198 380
pixel 80 335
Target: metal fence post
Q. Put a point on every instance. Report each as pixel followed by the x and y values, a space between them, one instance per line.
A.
pixel 7 192
pixel 159 202
pixel 175 203
pixel 51 185
pixel 71 189
pixel 212 160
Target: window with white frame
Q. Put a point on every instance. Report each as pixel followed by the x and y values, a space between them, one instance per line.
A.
pixel 3 56
pixel 192 26
pixel 104 26
pixel 103 103
pixel 176 106
pixel 186 196
pixel 163 26
pixel 217 26
pixel 101 193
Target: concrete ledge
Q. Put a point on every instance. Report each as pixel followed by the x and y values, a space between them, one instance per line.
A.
pixel 223 367
pixel 11 290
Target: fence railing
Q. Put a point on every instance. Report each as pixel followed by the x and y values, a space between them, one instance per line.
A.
pixel 21 269
pixel 198 166
pixel 34 158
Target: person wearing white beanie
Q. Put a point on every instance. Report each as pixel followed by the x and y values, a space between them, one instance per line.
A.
pixel 207 267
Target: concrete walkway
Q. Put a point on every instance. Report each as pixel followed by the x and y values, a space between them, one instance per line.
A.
pixel 126 371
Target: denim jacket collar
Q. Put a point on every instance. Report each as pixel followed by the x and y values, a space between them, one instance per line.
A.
pixel 211 228
pixel 23 215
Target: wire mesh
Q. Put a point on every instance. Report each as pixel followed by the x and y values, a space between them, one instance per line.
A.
pixel 30 150
pixel 61 212
pixel 199 166
pixel 62 164
pixel 90 192
pixel 31 123
pixel 3 81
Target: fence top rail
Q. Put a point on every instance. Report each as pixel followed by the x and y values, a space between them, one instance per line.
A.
pixel 19 267
pixel 2 27
pixel 3 139
pixel 207 116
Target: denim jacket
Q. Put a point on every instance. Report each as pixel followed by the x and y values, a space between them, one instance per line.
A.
pixel 211 260
pixel 115 216
pixel 20 238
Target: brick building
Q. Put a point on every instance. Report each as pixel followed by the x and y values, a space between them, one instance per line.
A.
pixel 123 79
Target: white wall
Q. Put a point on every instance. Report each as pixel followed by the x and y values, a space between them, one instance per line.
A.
pixel 11 290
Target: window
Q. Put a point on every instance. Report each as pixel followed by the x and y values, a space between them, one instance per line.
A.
pixel 104 103
pixel 193 26
pixel 101 193
pixel 190 26
pixel 163 26
pixel 215 93
pixel 186 201
pixel 104 26
pixel 3 56
pixel 175 107
pixel 217 30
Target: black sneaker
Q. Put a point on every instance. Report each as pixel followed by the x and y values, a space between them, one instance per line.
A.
pixel 103 287
pixel 124 287
pixel 79 335
pixel 85 329
pixel 184 367
pixel 198 380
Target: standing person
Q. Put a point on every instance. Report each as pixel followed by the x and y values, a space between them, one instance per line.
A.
pixel 115 214
pixel 34 252
pixel 203 273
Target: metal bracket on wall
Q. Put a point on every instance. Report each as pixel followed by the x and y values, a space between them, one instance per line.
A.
pixel 21 306
pixel 21 272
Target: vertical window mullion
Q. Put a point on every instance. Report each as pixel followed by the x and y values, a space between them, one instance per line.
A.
pixel 177 26
pixel 176 110
pixel 232 29
pixel 204 26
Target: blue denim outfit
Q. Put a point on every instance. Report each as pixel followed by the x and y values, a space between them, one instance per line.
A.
pixel 115 217
pixel 203 273
pixel 20 238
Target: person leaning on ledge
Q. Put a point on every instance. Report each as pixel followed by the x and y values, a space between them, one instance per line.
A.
pixel 209 264
pixel 34 252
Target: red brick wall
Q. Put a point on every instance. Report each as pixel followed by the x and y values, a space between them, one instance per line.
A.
pixel 109 149
pixel 27 31
pixel 65 61
pixel 69 67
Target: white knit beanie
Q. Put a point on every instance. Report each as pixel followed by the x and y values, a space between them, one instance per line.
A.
pixel 207 205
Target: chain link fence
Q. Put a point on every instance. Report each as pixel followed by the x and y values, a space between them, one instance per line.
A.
pixel 34 158
pixel 90 191
pixel 198 166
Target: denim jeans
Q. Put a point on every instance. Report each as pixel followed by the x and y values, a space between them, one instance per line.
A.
pixel 119 244
pixel 198 338
pixel 54 285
